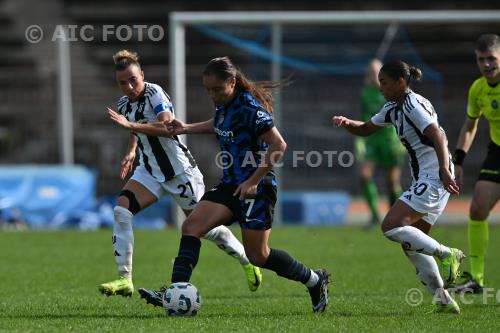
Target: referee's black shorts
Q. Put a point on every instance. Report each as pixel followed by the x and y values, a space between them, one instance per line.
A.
pixel 490 170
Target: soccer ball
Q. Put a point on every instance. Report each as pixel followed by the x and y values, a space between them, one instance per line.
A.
pixel 181 299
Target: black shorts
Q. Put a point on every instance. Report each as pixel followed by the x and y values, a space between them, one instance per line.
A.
pixel 253 213
pixel 490 170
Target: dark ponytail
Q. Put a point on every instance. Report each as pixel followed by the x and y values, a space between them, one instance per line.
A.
pixel 397 69
pixel 224 69
pixel 415 73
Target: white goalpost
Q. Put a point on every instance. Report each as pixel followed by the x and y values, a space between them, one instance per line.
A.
pixel 178 21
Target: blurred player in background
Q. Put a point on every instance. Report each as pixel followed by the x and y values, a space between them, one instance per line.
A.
pixel 484 99
pixel 381 149
pixel 165 167
pixel 243 125
pixel 410 219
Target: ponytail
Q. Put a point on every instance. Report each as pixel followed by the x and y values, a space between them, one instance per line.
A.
pixel 224 69
pixel 398 69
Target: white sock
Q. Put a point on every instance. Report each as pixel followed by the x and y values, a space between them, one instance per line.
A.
pixel 415 240
pixel 428 273
pixel 226 241
pixel 123 241
pixel 313 280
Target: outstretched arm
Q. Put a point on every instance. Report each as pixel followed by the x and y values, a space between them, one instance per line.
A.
pixel 153 129
pixel 438 137
pixel 355 127
pixel 177 127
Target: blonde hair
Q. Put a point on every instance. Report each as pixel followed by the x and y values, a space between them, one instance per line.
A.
pixel 125 58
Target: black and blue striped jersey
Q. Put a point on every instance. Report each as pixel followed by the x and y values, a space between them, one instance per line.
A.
pixel 237 127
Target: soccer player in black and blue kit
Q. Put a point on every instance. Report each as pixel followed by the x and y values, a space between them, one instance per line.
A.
pixel 250 146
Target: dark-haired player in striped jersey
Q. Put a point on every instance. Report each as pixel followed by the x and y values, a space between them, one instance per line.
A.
pixel 410 219
pixel 165 167
pixel 243 125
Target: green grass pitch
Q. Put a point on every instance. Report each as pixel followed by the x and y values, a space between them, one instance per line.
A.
pixel 48 283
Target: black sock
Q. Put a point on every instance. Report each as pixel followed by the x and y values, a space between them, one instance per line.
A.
pixel 187 258
pixel 284 265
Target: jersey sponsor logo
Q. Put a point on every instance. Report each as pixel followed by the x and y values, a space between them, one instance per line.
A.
pixel 225 134
pixel 494 104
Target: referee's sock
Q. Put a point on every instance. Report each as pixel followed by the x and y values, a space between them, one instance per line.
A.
pixel 187 258
pixel 478 242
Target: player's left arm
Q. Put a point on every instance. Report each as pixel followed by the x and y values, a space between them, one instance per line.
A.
pixel 154 129
pixel 438 137
pixel 276 149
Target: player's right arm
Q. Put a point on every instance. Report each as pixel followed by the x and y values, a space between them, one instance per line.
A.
pixel 467 133
pixel 176 127
pixel 128 160
pixel 355 127
pixel 465 139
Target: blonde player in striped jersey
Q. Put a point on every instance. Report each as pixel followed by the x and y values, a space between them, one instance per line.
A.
pixel 165 167
pixel 410 219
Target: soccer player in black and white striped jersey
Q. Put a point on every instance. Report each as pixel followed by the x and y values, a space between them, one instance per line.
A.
pixel 410 219
pixel 165 167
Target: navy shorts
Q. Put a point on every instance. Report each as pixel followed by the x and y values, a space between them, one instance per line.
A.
pixel 253 213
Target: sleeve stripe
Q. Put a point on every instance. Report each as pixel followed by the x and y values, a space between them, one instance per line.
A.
pixel 387 118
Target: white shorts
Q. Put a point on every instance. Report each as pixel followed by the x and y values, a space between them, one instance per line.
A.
pixel 427 196
pixel 186 189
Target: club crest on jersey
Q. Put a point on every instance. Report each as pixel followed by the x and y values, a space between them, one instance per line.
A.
pixel 494 104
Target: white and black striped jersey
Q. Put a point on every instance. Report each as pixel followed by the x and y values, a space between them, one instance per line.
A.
pixel 163 157
pixel 410 122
